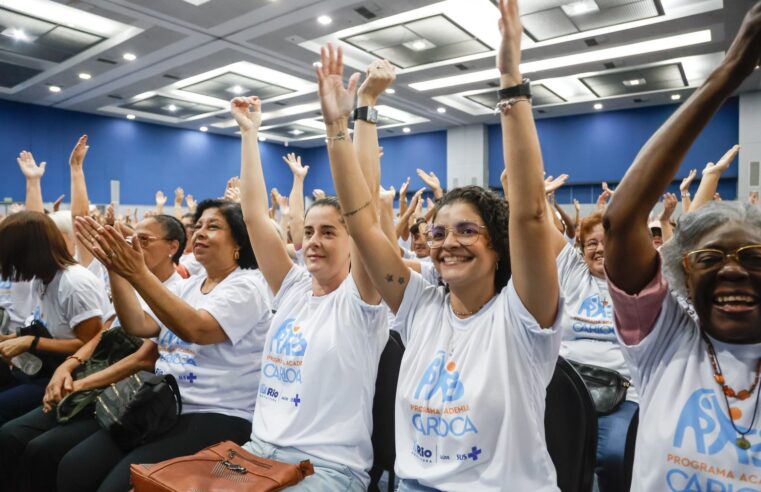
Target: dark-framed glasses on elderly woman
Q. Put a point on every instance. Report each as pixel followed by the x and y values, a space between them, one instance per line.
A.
pixel 466 233
pixel 712 259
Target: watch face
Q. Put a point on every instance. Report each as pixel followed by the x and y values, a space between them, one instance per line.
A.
pixel 372 115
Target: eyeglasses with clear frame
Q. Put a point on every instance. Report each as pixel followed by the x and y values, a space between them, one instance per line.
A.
pixel 701 260
pixel 146 240
pixel 466 233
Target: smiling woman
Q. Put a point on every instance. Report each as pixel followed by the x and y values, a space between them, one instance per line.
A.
pixel 698 372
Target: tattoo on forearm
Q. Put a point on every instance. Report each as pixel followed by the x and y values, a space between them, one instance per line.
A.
pixel 390 279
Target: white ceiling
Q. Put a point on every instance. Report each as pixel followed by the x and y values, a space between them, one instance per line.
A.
pixel 604 56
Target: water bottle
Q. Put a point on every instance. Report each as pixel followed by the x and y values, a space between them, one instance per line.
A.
pixel 27 363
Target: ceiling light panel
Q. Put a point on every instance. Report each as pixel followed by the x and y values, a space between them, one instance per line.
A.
pixel 228 85
pixel 620 83
pixel 167 106
pixel 36 38
pixel 57 13
pixel 618 52
pixel 419 42
pixel 553 19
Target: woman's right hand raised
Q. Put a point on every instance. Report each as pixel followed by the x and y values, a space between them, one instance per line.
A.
pixel 247 120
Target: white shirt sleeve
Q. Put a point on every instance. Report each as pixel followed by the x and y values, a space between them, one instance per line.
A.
pixel 571 267
pixel 81 297
pixel 417 293
pixel 236 303
pixel 541 346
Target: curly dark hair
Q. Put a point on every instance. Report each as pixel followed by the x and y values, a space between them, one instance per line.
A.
pixel 233 215
pixel 495 213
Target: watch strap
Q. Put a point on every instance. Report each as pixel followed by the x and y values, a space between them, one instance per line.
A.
pixel 521 90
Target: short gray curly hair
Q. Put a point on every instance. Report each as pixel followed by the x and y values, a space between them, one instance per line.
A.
pixel 693 226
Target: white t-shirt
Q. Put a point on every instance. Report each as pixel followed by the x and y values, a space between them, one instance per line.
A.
pixel 192 265
pixel 684 425
pixel 589 335
pixel 471 394
pixel 19 300
pixel 260 277
pixel 74 295
pixel 222 377
pixel 318 372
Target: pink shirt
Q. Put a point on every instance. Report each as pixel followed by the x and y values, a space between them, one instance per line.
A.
pixel 635 314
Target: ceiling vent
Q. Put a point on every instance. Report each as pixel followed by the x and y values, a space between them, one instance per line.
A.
pixel 365 12
pixel 591 42
pixel 461 66
pixel 171 77
pixel 106 60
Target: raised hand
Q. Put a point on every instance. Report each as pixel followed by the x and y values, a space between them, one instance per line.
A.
pixel 110 215
pixel 686 182
pixel 602 200
pixel 336 101
pixel 29 168
pixel 247 120
pixel 380 76
pixel 403 188
pixel 577 205
pixel 607 189
pixel 553 184
pixel 669 205
pixel 78 153
pixel 318 194
pixel 387 195
pixel 432 181
pixel 110 247
pixel 160 198
pixel 191 203
pixel 275 196
pixel 179 196
pixel 294 162
pixel 753 198
pixel 724 162
pixel 57 203
pixel 716 197
pixel 509 53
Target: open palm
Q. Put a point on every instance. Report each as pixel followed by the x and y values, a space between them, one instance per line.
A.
pixel 336 100
pixel 247 119
pixel 29 168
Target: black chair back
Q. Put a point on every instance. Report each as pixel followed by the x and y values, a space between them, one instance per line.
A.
pixel 384 450
pixel 570 426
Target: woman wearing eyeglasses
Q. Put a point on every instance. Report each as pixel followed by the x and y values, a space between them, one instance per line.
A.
pixel 699 423
pixel 471 392
pixel 209 329
pixel 32 445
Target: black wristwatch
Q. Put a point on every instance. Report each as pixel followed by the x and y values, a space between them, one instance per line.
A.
pixel 366 113
pixel 521 90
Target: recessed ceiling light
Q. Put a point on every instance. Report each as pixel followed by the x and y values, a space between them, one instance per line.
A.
pixel 130 116
pixel 419 45
pixel 285 143
pixel 196 2
pixel 85 76
pixel 204 128
pixel 641 48
pixel 390 90
pixel 598 106
pixel 406 129
pixel 580 7
pixel 262 138
pixel 324 20
pixel 676 97
pixel 54 88
pixel 441 109
pixel 296 132
pixel 172 107
pixel 634 82
pixel 129 56
pixel 236 89
pixel 17 34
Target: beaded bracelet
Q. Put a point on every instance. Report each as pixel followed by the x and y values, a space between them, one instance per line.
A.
pixel 506 105
pixel 365 205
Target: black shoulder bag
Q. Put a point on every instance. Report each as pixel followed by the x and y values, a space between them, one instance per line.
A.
pixel 607 387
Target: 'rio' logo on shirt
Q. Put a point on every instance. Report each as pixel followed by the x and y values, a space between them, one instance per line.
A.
pixel 440 376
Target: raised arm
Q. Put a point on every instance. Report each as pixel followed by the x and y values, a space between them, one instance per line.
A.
pixel 684 190
pixel 253 193
pixel 570 227
pixel 80 202
pixel 33 174
pixel 532 258
pixel 179 196
pixel 630 258
pixel 386 269
pixel 404 219
pixel 160 202
pixel 296 198
pixel 432 182
pixel 669 205
pixel 709 183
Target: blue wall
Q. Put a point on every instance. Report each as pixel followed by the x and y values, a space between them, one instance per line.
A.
pixel 143 156
pixel 592 148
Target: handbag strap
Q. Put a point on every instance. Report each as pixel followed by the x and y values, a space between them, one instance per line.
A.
pixel 172 382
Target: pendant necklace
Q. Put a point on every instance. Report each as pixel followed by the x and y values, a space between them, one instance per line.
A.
pixel 742 442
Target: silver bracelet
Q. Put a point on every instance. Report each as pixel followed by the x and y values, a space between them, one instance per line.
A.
pixel 506 105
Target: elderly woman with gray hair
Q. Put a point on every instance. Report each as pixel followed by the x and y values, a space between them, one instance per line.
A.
pixel 698 377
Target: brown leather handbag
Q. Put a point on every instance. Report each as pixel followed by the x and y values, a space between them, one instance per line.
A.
pixel 224 467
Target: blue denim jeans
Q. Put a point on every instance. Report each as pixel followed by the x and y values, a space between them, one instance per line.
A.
pixel 611 445
pixel 328 476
